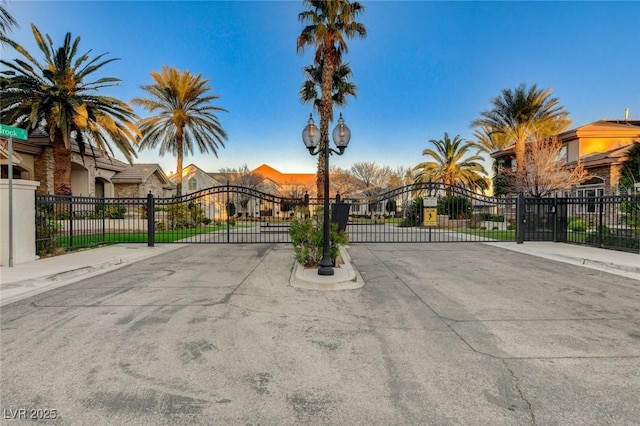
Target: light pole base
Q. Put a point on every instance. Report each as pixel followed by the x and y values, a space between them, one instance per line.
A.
pixel 325 270
pixel 326 265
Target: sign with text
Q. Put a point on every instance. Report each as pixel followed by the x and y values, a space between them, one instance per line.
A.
pixel 430 217
pixel 430 202
pixel 13 132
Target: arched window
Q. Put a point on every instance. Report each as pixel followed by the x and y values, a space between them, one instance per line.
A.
pixel 192 184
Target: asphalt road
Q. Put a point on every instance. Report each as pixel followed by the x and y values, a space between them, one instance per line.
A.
pixel 440 334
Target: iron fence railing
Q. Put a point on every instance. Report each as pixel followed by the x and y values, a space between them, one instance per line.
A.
pixel 70 222
pixel 611 222
pixel 415 213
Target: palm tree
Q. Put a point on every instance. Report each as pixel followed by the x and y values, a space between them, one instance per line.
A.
pixel 56 95
pixel 490 141
pixel 522 114
pixel 342 88
pixel 185 116
pixel 452 165
pixel 7 21
pixel 329 22
pixel 309 93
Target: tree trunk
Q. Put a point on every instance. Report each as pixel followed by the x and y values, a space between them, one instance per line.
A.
pixel 326 112
pixel 62 166
pixel 519 152
pixel 179 151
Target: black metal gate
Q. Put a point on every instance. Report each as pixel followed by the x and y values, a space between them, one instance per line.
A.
pixel 224 214
pixel 430 212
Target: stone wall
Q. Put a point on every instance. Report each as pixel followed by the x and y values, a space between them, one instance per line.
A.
pixel 43 171
pixel 126 190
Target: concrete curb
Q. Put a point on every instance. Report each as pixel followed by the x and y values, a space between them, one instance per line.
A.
pixel 17 290
pixel 627 264
pixel 346 277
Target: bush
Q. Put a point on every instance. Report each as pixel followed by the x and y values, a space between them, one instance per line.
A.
pixel 46 230
pixel 414 213
pixel 577 224
pixel 307 239
pixel 111 211
pixel 455 207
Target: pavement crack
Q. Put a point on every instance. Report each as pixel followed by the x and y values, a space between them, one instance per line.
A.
pixel 516 384
pixel 225 300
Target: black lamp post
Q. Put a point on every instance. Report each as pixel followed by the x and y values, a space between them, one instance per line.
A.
pixel 311 138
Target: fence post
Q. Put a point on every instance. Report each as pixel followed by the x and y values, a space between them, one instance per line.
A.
pixel 600 220
pixel 151 221
pixel 229 215
pixel 520 218
pixel 70 201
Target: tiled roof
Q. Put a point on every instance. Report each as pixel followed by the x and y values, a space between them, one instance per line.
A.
pixel 610 156
pixel 280 178
pixel 139 173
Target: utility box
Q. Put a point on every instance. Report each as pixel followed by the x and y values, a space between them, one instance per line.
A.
pixel 340 215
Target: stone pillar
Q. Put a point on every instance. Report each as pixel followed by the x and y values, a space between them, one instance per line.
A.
pixel 24 224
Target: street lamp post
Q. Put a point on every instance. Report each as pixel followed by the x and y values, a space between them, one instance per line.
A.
pixel 311 138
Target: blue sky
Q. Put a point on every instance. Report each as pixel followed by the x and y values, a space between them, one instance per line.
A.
pixel 425 68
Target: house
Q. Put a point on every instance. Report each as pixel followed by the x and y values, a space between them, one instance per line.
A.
pixel 195 179
pixel 601 146
pixel 138 180
pixel 92 174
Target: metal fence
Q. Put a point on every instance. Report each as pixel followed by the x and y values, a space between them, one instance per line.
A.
pixel 68 222
pixel 611 222
pixel 425 213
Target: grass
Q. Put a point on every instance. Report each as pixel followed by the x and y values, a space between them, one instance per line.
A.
pixel 134 237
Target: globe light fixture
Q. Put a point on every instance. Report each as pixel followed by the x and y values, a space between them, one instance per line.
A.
pixel 311 138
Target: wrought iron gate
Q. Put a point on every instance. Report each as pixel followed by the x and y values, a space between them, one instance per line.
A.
pixel 224 214
pixel 431 212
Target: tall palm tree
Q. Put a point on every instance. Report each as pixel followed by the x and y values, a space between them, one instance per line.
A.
pixel 310 92
pixel 342 88
pixel 452 164
pixel 7 21
pixel 185 116
pixel 56 95
pixel 522 114
pixel 329 22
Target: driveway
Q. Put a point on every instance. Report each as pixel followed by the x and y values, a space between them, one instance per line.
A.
pixel 440 334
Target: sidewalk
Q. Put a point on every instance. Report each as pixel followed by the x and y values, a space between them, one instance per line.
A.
pixel 614 262
pixel 31 278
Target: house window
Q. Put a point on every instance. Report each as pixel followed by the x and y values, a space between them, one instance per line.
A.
pixel 192 184
pixel 589 205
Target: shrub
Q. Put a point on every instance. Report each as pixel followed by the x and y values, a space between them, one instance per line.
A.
pixel 455 207
pixel 46 230
pixel 414 213
pixel 307 239
pixel 577 224
pixel 112 211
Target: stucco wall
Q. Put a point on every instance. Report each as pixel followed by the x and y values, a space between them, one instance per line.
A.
pixel 24 230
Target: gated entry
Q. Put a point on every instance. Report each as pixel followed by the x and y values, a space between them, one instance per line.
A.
pixel 226 214
pixel 422 212
pixel 431 212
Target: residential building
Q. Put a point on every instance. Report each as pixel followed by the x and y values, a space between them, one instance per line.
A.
pixel 601 146
pixel 92 174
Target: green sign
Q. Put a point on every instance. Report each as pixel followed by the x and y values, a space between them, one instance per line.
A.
pixel 13 132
